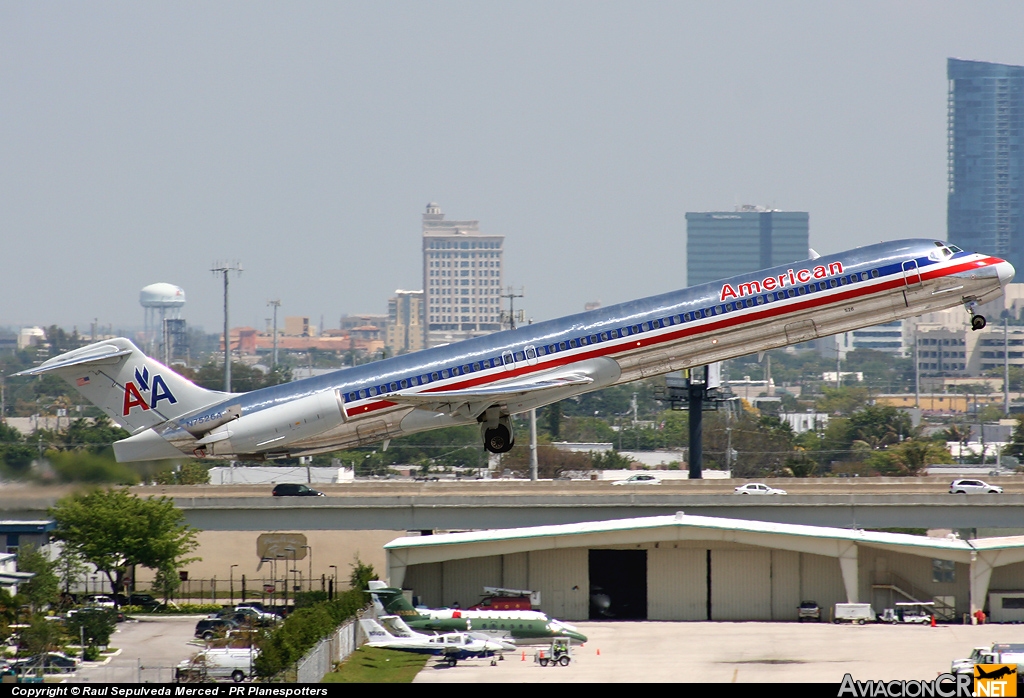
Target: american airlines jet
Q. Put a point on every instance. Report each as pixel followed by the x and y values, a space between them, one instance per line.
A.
pixel 488 379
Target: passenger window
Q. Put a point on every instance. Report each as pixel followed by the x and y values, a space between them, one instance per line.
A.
pixel 531 353
pixel 445 373
pixel 863 276
pixel 455 371
pixel 541 351
pixel 562 346
pixel 405 384
pixel 874 273
pixel 433 376
pixel 637 329
pixel 572 343
pixel 520 356
pixel 467 368
pixel 394 387
pixel 594 339
pixel 583 341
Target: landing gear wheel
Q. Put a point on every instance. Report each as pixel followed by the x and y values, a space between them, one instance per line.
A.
pixel 978 322
pixel 498 440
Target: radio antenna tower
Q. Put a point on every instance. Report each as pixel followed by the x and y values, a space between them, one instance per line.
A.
pixel 224 269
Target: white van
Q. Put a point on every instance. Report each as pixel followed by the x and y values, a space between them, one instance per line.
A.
pixel 218 664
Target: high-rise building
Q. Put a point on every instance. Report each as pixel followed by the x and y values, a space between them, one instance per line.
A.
pixel 720 244
pixel 462 278
pixel 405 322
pixel 986 158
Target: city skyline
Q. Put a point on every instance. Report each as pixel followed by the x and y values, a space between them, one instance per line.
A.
pixel 142 142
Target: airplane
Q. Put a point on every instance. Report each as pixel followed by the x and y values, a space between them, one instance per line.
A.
pixel 452 646
pixel 521 627
pixel 487 380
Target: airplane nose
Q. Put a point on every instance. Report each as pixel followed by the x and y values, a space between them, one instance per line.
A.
pixel 1006 272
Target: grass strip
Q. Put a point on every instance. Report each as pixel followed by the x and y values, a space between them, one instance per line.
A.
pixel 373 665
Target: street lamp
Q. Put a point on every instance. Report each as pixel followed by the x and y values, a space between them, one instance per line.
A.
pixel 231 574
pixel 310 549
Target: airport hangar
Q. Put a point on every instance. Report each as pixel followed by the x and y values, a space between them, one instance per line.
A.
pixel 686 567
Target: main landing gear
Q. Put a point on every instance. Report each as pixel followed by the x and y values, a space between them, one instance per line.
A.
pixel 978 322
pixel 497 431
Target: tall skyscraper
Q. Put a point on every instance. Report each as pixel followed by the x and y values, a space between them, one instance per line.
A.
pixel 986 158
pixel 462 278
pixel 721 244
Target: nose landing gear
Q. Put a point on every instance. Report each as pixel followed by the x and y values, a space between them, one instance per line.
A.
pixel 978 322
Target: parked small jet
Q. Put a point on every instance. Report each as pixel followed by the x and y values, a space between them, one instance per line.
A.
pixel 452 646
pixel 488 379
pixel 521 627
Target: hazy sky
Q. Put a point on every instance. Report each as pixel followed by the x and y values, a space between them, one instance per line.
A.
pixel 141 141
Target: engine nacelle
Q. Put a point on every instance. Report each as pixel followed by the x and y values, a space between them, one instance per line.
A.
pixel 275 428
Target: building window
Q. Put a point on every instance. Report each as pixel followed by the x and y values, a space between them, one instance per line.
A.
pixel 943 571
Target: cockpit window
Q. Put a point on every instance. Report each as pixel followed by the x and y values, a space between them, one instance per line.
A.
pixel 955 249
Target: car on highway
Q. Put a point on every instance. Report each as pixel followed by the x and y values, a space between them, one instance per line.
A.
pixel 639 479
pixel 973 487
pixel 287 489
pixel 757 488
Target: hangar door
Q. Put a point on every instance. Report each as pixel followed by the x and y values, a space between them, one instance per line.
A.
pixel 618 584
pixel 741 585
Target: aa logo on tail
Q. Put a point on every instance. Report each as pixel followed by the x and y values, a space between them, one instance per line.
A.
pixel 133 396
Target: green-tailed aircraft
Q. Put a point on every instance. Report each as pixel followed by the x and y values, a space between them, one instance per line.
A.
pixel 522 627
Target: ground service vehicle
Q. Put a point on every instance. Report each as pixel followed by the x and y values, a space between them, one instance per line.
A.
pixel 560 653
pixel 999 653
pixel 808 610
pixel 859 613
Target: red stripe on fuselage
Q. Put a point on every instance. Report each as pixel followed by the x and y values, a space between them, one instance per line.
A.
pixel 714 325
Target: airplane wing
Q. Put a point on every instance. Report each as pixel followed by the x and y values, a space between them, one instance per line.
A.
pixel 473 401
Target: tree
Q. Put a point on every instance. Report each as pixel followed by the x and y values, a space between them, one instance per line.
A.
pixel 188 473
pixel 114 530
pixel 44 587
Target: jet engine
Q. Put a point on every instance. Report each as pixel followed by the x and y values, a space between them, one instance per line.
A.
pixel 275 428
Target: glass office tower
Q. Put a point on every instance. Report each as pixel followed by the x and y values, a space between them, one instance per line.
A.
pixel 986 158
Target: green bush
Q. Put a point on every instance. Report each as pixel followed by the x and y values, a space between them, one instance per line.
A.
pixel 91 653
pixel 175 609
pixel 285 645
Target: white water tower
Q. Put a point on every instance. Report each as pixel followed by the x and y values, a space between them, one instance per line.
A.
pixel 160 301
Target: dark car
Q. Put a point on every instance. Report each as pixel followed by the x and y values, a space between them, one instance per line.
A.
pixel 209 628
pixel 290 490
pixel 49 663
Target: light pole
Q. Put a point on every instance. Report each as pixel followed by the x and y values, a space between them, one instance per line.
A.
pixel 292 551
pixel 224 269
pixel 309 548
pixel 334 580
pixel 231 575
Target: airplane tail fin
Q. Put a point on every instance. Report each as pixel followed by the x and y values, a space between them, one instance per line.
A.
pixel 136 391
pixel 392 600
pixel 374 631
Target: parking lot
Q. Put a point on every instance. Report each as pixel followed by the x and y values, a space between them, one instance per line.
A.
pixel 150 649
pixel 740 653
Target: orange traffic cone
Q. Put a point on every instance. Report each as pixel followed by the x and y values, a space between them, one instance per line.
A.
pixel 598 651
pixel 933 620
pixel 524 656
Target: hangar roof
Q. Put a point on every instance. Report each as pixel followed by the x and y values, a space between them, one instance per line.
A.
pixel 820 540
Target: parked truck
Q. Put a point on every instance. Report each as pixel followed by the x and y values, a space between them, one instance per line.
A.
pixel 999 653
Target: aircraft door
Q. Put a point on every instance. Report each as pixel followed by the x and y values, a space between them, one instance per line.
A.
pixel 911 274
pixel 913 283
pixel 508 360
pixel 531 355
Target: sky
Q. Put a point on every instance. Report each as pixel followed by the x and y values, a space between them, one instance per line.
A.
pixel 145 142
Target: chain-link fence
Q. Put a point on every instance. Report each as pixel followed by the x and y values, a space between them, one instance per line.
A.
pixel 321 659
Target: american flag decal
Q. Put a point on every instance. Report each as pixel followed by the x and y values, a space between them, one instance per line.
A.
pixel 82 381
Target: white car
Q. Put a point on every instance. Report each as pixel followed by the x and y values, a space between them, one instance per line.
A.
pixel 640 479
pixel 757 488
pixel 973 487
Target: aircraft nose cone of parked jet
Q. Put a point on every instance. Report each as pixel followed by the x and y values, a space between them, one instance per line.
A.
pixel 1006 272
